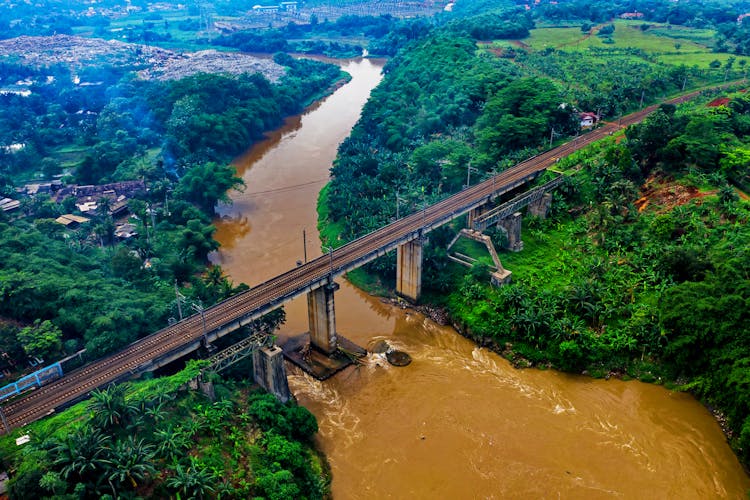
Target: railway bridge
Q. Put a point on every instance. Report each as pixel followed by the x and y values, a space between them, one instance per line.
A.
pixel 314 278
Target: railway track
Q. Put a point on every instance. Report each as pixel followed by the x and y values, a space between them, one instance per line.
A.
pixel 76 385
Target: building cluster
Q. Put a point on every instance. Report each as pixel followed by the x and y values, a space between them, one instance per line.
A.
pixel 281 6
pixel 631 15
pixel 88 197
pixel 87 200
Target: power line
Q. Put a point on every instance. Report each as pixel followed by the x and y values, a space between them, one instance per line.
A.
pixel 287 188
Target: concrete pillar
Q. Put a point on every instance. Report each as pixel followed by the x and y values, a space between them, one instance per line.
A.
pixel 208 389
pixel 409 269
pixel 473 214
pixel 512 227
pixel 322 318
pixel 269 372
pixel 540 207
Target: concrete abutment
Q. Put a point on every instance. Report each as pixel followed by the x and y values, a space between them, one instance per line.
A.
pixel 512 227
pixel 269 372
pixel 540 207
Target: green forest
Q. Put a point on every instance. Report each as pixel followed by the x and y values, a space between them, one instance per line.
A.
pixel 640 270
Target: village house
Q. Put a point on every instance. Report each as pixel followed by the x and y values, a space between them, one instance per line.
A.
pixel 71 221
pixel 631 15
pixel 41 188
pixel 588 119
pixel 7 204
pixel 125 231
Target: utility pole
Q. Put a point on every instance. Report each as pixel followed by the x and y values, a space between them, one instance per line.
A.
pixel 199 309
pixel 304 245
pixel 330 261
pixel 493 173
pixel 398 201
pixel 469 169
pixel 643 93
pixel 152 213
pixel 178 298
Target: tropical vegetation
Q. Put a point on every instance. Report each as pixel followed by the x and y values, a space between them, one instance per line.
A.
pixel 155 439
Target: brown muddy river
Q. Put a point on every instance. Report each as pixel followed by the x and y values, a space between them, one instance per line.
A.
pixel 459 422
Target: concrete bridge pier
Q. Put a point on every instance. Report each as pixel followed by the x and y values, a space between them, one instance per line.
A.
pixel 540 207
pixel 322 318
pixel 512 227
pixel 269 372
pixel 409 269
pixel 322 352
pixel 474 214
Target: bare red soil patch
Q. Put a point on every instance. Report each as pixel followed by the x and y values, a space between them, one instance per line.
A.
pixel 665 194
pixel 719 101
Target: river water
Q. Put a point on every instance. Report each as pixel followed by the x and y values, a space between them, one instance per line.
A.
pixel 459 422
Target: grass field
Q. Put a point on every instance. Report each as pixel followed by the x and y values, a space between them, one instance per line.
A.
pixel 69 156
pixel 700 59
pixel 185 40
pixel 543 259
pixel 671 45
pixel 703 37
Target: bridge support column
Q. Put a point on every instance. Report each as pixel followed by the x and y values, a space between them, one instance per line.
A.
pixel 473 214
pixel 540 207
pixel 512 227
pixel 269 372
pixel 322 318
pixel 409 269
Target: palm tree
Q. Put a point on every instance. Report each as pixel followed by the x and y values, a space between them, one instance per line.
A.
pixel 105 230
pixel 727 195
pixel 213 285
pixel 156 413
pixel 84 452
pixel 225 490
pixel 581 298
pixel 195 481
pixel 172 441
pixel 109 407
pixel 130 461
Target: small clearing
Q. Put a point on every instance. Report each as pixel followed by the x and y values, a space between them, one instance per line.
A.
pixel 665 194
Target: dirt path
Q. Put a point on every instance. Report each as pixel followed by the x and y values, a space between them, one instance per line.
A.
pixel 593 31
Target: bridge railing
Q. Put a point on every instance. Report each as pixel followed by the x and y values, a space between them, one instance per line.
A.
pixel 485 220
